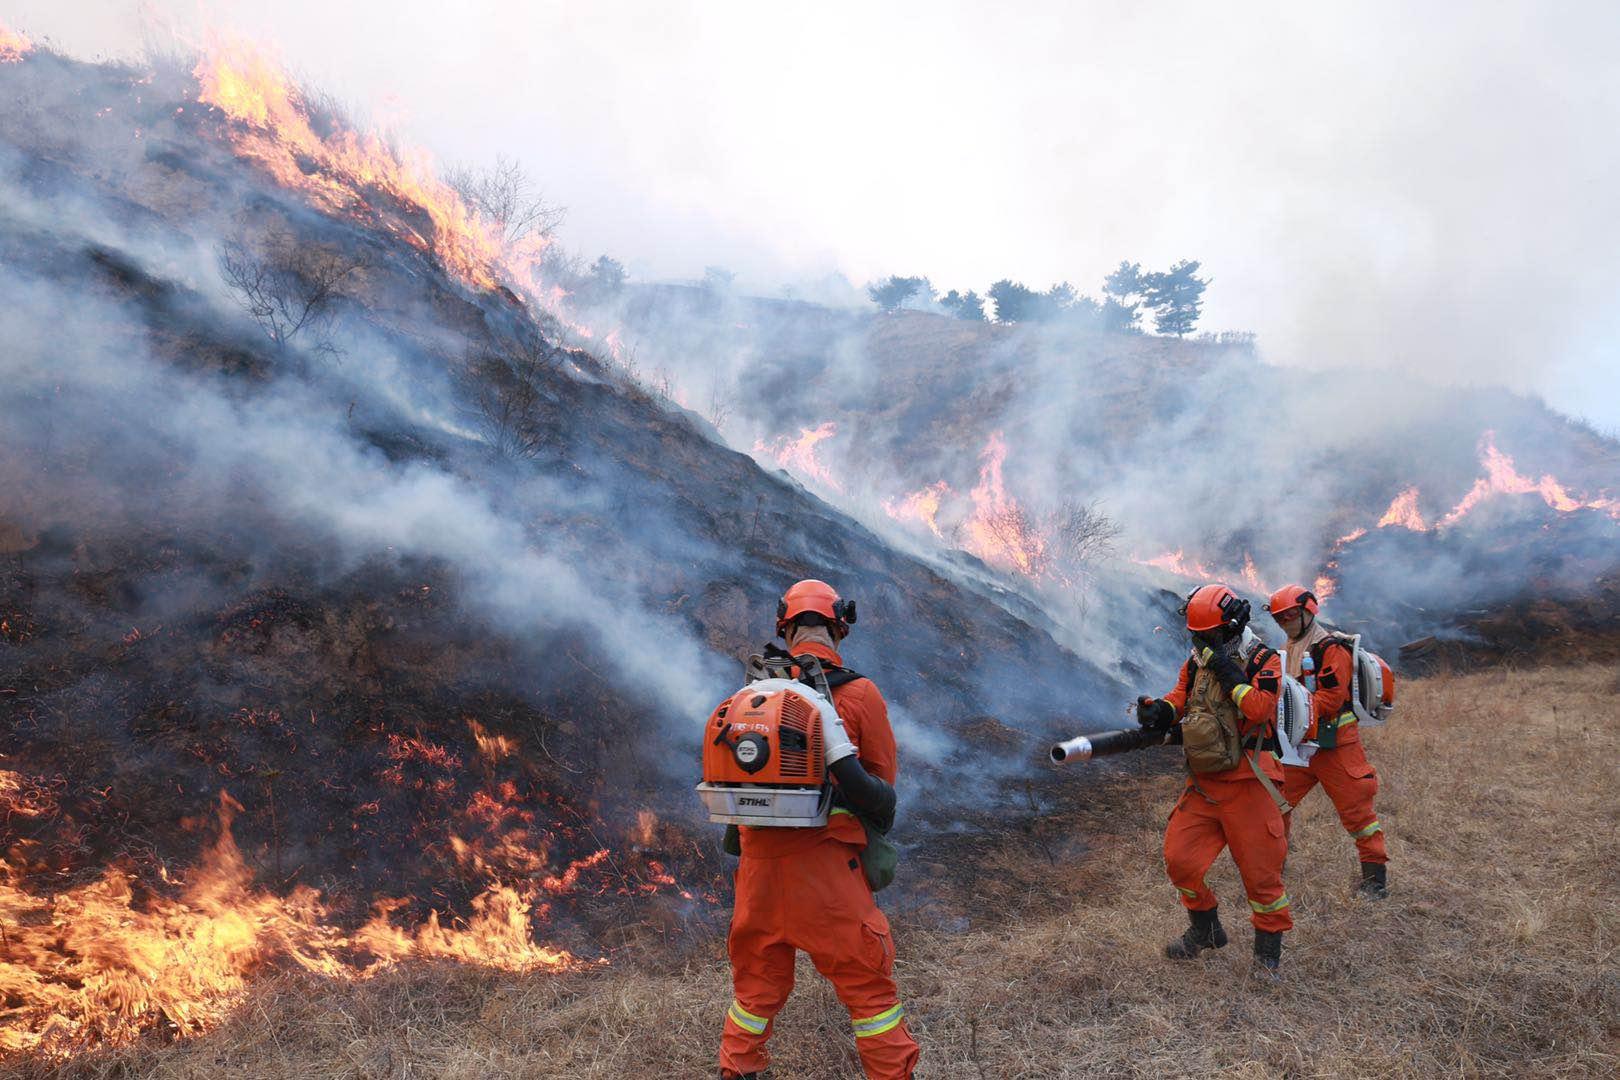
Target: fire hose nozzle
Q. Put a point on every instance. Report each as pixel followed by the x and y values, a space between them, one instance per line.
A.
pixel 1086 747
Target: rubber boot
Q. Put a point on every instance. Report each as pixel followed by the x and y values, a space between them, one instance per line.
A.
pixel 742 1076
pixel 1204 933
pixel 1374 883
pixel 1268 952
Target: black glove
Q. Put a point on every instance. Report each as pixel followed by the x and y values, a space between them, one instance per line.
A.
pixel 1154 714
pixel 1235 613
pixel 1227 670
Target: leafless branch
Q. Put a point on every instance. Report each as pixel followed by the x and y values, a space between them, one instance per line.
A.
pixel 509 395
pixel 286 288
pixel 506 195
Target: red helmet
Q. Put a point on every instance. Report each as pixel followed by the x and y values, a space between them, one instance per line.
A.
pixel 1212 606
pixel 1290 597
pixel 812 597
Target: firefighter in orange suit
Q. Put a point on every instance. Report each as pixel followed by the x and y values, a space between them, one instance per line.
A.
pixel 1223 712
pixel 805 888
pixel 1340 765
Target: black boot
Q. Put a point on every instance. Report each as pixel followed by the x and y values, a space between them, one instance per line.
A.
pixel 1374 884
pixel 1268 951
pixel 1204 933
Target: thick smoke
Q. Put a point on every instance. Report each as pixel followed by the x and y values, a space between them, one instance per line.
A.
pixel 1190 447
pixel 281 461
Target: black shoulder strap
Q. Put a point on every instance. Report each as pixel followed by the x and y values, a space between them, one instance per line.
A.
pixel 1262 656
pixel 1335 638
pixel 838 676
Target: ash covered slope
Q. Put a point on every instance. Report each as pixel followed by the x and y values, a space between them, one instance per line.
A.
pixel 1210 460
pixel 293 565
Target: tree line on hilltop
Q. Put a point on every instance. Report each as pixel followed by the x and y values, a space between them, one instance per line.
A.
pixel 1174 297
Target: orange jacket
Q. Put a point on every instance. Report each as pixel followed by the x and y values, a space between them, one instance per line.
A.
pixel 1257 709
pixel 866 718
pixel 1334 681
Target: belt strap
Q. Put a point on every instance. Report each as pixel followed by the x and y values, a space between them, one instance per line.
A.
pixel 1265 781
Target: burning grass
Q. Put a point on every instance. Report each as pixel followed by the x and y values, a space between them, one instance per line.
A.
pixel 1037 954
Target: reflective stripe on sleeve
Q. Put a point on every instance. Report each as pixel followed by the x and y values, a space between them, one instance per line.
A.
pixel 1266 909
pixel 886 1020
pixel 1362 834
pixel 1239 692
pixel 747 1020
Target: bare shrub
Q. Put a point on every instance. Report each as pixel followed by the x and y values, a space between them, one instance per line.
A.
pixel 509 395
pixel 1078 535
pixel 289 289
pixel 505 194
pixel 1059 546
pixel 721 402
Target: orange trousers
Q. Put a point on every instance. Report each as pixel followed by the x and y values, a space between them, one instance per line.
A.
pixel 1351 782
pixel 816 900
pixel 1241 815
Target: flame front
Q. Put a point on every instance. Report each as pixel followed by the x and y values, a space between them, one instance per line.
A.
pixel 348 173
pixel 999 531
pixel 14 45
pixel 799 454
pixel 1403 512
pixel 1177 562
pixel 1503 478
pixel 921 507
pixel 91 965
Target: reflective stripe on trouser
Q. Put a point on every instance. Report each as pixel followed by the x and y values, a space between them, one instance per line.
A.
pixel 1245 818
pixel 816 901
pixel 1351 783
pixel 754 1025
pixel 887 1020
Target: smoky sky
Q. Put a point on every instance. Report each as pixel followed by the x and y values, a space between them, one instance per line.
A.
pixel 1430 188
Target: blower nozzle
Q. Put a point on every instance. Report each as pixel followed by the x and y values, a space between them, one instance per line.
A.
pixel 1104 743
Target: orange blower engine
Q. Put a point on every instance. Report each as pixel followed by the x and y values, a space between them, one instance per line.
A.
pixel 764 761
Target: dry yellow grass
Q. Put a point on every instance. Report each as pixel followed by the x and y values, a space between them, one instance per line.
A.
pixel 1498 953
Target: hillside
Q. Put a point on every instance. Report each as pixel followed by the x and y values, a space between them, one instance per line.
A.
pixel 374 628
pixel 1037 952
pixel 1418 505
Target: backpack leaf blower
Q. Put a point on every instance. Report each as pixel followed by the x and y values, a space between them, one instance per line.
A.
pixel 776 754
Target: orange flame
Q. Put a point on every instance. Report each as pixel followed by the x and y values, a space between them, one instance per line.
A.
pixel 491 748
pixel 14 45
pixel 1403 511
pixel 1324 587
pixel 799 455
pixel 1177 562
pixel 1251 576
pixel 999 532
pixel 91 965
pixel 346 172
pixel 1502 478
pixel 920 506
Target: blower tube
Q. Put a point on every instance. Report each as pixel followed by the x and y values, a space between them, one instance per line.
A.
pixel 869 796
pixel 1086 747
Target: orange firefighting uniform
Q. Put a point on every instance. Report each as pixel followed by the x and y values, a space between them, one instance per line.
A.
pixel 1232 808
pixel 805 889
pixel 1343 771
